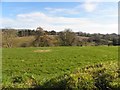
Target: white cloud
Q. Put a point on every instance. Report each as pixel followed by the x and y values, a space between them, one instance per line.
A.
pixel 35 19
pixel 90 6
pixel 72 11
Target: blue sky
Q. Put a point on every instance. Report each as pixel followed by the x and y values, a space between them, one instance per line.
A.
pixel 91 17
pixel 15 8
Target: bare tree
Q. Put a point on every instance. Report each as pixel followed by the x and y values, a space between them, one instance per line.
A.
pixel 67 37
pixel 8 37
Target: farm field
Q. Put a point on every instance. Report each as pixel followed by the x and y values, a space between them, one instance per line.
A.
pixel 44 63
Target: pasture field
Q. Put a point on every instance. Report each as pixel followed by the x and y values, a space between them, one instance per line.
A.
pixel 44 63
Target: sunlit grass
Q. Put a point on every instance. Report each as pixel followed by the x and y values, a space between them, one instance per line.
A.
pixel 43 66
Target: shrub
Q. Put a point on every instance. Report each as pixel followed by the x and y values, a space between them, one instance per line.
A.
pixel 94 77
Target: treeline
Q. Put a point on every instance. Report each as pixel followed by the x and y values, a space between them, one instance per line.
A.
pixel 41 38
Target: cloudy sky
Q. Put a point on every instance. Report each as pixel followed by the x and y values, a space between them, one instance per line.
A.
pixel 86 16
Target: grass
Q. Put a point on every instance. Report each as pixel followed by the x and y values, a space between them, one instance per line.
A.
pixel 24 64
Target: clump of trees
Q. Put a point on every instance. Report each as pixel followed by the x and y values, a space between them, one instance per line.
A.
pixel 67 38
pixel 41 38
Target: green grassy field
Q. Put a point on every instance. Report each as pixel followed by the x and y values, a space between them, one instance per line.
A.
pixel 45 63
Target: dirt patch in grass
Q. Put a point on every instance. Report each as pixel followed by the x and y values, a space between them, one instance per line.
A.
pixel 40 51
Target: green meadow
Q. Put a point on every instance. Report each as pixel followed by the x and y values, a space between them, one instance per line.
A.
pixel 21 65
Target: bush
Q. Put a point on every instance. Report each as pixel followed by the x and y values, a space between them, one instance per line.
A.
pixel 25 45
pixel 94 77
